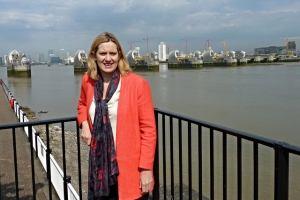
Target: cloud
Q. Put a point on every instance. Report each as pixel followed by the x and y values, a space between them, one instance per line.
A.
pixel 41 25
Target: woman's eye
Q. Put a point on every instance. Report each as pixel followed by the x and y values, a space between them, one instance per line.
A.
pixel 102 54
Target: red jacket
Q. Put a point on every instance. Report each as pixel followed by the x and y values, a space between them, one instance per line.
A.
pixel 136 130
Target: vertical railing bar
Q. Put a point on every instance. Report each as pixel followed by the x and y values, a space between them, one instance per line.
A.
pixel 180 159
pixel 255 168
pixel 239 167
pixel 15 162
pixel 164 155
pixel 64 160
pixel 281 185
pixel 79 160
pixel 212 165
pixel 171 157
pixel 156 162
pixel 24 114
pixel 32 160
pixel 200 161
pixel 190 159
pixel 224 166
pixel 36 146
pixel 48 162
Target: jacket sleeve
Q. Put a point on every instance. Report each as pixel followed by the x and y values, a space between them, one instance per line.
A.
pixel 82 102
pixel 147 126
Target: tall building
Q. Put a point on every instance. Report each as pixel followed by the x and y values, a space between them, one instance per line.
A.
pixel 42 57
pixel 1 63
pixel 37 58
pixel 162 52
pixel 50 52
pixel 62 54
pixel 5 59
pixel 55 59
pixel 291 46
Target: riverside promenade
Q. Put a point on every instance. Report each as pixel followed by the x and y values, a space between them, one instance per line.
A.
pixel 7 171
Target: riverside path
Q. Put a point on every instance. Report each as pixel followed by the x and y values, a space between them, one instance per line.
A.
pixel 7 171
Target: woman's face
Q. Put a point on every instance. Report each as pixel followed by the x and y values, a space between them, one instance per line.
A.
pixel 107 58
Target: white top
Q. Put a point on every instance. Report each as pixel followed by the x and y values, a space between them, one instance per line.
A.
pixel 112 105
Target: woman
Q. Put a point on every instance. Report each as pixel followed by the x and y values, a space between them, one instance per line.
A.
pixel 116 115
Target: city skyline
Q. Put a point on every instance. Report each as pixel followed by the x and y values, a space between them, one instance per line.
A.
pixel 35 27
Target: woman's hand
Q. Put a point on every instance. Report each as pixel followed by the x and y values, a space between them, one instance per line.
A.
pixel 145 180
pixel 86 135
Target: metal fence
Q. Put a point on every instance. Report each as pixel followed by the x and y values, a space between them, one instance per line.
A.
pixel 200 160
pixel 194 160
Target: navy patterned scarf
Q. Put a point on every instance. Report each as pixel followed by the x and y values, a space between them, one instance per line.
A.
pixel 103 167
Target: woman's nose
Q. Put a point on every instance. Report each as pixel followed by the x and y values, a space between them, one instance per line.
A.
pixel 107 57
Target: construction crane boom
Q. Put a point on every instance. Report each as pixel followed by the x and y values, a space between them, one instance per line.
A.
pixel 169 46
pixel 147 41
pixel 131 43
pixel 186 43
pixel 225 51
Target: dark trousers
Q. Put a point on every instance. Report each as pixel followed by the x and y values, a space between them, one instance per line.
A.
pixel 114 194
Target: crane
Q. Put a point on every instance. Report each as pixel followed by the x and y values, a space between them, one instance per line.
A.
pixel 186 43
pixel 147 41
pixel 169 46
pixel 208 42
pixel 225 51
pixel 131 43
pixel 287 41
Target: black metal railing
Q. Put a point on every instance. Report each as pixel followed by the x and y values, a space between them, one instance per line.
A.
pixel 194 159
pixel 196 139
pixel 35 152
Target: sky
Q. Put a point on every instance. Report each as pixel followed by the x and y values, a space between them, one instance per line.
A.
pixel 33 26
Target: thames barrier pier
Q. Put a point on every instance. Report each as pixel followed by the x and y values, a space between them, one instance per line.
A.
pixel 18 64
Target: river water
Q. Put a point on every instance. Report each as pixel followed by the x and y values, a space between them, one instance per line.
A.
pixel 261 99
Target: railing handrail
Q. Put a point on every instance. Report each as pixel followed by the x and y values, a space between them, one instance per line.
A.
pixel 248 136
pixel 37 122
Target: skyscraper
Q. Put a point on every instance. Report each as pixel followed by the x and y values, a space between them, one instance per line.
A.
pixel 37 58
pixel 50 52
pixel 291 46
pixel 162 52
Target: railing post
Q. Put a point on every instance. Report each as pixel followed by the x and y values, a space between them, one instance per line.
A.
pixel 281 188
pixel 15 162
pixel 32 161
pixel 48 152
pixel 67 179
pixel 24 114
pixel 37 134
pixel 156 163
pixel 79 160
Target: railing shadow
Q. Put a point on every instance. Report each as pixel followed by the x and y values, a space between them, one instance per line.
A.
pixel 8 191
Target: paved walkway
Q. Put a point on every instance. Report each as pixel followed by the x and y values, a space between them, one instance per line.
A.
pixel 7 175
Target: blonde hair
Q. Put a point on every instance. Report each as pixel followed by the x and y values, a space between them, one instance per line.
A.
pixel 123 65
